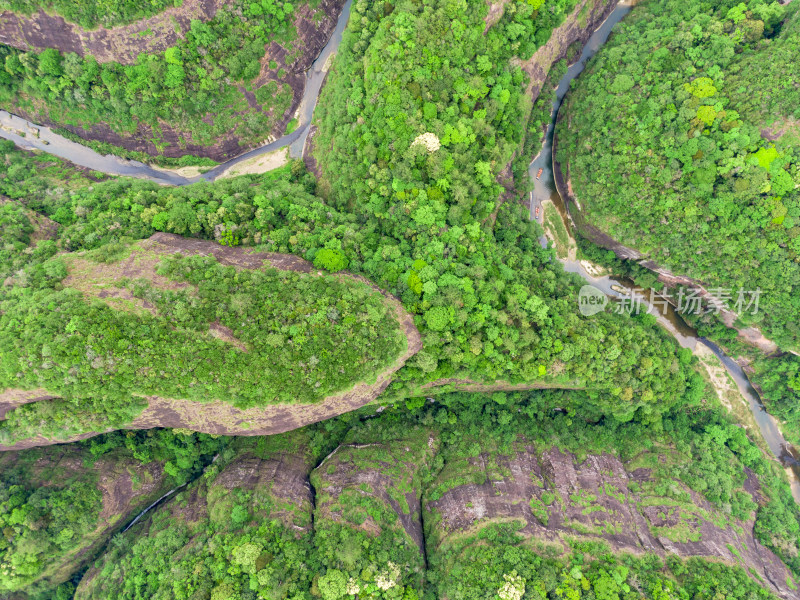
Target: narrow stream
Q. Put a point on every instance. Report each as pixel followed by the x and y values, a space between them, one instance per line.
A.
pixel 169 494
pixel 30 136
pixel 618 288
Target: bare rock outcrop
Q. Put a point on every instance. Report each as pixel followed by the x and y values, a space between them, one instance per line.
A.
pixel 125 484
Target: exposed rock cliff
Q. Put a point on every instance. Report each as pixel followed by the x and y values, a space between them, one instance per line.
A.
pixel 555 498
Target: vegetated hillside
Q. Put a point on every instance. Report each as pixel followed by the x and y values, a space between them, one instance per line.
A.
pixel 92 13
pixel 472 497
pixel 172 318
pixel 210 84
pixel 60 505
pixel 245 525
pixel 690 156
pixel 415 123
pixel 492 309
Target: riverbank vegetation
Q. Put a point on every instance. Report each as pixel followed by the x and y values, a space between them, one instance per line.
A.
pixel 415 153
pixel 690 153
pixel 728 183
pixel 480 318
pixel 491 304
pixel 626 466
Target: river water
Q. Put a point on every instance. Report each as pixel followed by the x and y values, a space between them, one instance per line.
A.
pixel 620 288
pixel 36 137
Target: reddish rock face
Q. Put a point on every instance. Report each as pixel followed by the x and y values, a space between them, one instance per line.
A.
pixel 121 44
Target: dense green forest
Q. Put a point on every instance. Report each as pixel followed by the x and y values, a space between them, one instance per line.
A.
pixel 414 152
pixel 106 13
pixel 617 475
pixel 211 71
pixel 489 308
pixel 230 536
pixel 296 338
pixel 681 141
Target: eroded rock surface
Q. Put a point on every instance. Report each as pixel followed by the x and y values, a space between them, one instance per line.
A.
pixel 155 34
pixel 577 27
pixel 554 497
pixel 272 482
pixel 385 473
pixel 125 484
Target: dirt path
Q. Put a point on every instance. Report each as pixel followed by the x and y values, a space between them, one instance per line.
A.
pixel 122 43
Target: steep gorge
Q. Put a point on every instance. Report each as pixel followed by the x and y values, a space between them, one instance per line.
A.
pixel 400 504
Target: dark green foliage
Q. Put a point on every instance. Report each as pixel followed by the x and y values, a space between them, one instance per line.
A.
pixel 183 453
pixel 305 337
pixel 480 317
pixel 497 559
pixel 50 503
pixel 245 529
pixel 217 541
pixel 39 524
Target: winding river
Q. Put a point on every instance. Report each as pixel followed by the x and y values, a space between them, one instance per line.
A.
pixel 30 136
pixel 619 288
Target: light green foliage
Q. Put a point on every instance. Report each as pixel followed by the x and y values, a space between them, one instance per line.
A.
pixel 330 260
pixel 517 331
pixel 41 524
pixel 437 206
